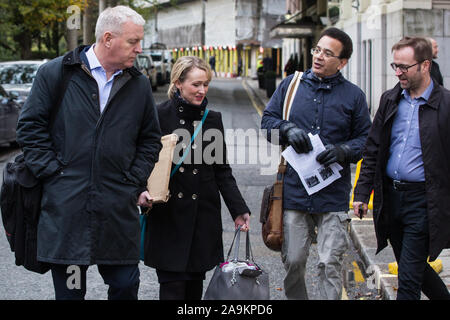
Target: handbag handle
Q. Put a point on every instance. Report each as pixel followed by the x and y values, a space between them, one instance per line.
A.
pixel 248 249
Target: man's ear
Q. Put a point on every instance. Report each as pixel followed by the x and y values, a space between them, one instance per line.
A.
pixel 427 65
pixel 107 37
pixel 342 64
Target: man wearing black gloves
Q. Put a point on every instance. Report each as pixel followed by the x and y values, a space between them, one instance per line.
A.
pixel 330 106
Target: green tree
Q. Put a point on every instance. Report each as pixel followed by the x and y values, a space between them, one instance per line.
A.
pixel 29 22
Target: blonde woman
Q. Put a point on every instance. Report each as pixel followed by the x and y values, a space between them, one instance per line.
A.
pixel 184 236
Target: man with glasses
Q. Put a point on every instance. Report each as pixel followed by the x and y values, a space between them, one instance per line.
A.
pixel 407 164
pixel 330 106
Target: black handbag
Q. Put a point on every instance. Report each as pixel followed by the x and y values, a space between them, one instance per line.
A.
pixel 238 279
pixel 20 201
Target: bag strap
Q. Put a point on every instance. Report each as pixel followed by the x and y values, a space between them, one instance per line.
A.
pixel 66 74
pixel 287 104
pixel 186 151
pixel 292 89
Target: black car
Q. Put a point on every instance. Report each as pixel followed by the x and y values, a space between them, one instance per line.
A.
pixel 9 113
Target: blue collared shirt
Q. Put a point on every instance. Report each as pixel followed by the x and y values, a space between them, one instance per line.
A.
pixel 99 74
pixel 405 153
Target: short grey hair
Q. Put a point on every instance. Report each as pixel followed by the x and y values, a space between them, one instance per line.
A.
pixel 112 19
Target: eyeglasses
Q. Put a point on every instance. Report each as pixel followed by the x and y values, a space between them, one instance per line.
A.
pixel 402 67
pixel 326 53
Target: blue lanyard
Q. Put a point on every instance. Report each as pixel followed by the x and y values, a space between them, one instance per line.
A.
pixel 197 130
pixel 143 217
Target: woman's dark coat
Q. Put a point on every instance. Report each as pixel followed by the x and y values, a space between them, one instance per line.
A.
pixel 92 165
pixel 434 127
pixel 185 234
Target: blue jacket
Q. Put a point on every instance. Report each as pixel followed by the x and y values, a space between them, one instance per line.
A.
pixel 335 109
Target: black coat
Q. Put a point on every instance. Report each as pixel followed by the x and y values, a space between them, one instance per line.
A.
pixel 92 165
pixel 185 234
pixel 434 127
pixel 435 73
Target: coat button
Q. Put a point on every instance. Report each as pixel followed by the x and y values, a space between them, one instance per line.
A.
pixel 94 96
pixel 194 146
pixel 195 171
pixel 180 109
pixel 180 195
pixel 194 196
pixel 181 169
pixel 182 121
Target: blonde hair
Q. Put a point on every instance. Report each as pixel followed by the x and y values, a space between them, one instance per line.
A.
pixel 182 67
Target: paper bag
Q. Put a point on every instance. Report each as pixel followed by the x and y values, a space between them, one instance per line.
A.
pixel 158 182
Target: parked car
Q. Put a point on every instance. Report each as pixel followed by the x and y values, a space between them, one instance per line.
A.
pixel 160 65
pixel 168 59
pixel 17 77
pixel 9 114
pixel 144 64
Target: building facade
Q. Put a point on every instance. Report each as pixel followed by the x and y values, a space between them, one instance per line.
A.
pixel 236 32
pixel 376 25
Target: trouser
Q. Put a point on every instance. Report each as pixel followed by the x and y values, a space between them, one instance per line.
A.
pixel 70 281
pixel 181 290
pixel 409 237
pixel 332 242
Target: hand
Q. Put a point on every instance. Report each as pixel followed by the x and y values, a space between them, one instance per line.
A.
pixel 244 221
pixel 333 154
pixel 356 206
pixel 296 137
pixel 145 200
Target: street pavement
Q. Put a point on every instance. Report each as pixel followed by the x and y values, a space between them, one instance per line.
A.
pixel 228 97
pixel 362 232
pixel 232 97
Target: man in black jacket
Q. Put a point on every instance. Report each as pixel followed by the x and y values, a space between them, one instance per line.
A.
pixel 95 159
pixel 407 164
pixel 435 70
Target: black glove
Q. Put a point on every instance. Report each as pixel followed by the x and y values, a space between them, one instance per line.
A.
pixel 333 153
pixel 296 137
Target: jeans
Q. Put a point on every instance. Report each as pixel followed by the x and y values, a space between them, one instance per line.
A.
pixel 409 237
pixel 123 281
pixel 332 243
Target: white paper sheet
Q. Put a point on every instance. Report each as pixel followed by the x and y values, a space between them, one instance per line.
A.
pixel 313 175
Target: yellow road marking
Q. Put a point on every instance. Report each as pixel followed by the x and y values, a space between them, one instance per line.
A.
pixel 344 294
pixel 357 273
pixel 363 219
pixel 254 103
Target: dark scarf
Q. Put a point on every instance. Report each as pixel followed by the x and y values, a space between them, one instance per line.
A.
pixel 186 110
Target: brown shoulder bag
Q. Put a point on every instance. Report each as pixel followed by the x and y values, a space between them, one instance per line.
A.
pixel 271 215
